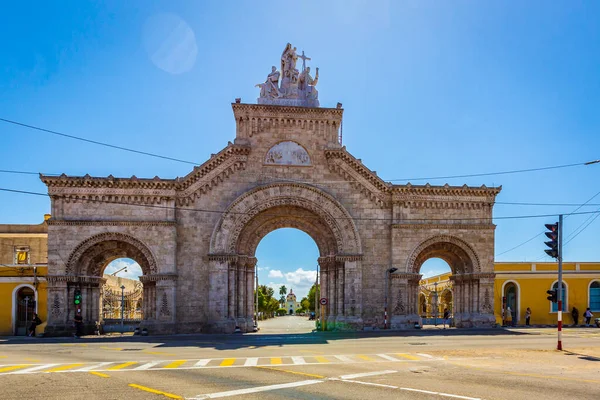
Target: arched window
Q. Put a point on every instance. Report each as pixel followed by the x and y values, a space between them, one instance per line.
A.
pixel 595 296
pixel 511 292
pixel 564 297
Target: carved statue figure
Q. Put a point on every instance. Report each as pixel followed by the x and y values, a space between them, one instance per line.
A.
pixel 271 86
pixel 307 84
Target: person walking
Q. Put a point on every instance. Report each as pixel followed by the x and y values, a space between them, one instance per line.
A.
pixel 446 318
pixel 509 317
pixel 78 321
pixel 34 323
pixel 527 316
pixel 575 315
pixel 588 316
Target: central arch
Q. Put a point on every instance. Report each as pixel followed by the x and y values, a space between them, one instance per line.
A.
pixel 267 208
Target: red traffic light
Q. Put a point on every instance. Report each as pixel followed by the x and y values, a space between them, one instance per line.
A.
pixel 552 227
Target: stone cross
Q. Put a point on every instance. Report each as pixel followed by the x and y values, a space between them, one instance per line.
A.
pixel 304 58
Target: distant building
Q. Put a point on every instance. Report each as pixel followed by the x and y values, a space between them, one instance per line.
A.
pixel 291 305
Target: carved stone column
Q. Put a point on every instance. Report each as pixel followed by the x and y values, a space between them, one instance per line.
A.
pixel 250 270
pixel 221 297
pixel 323 311
pixel 340 286
pixel 331 294
pixel 401 304
pixel 241 295
pixel 162 291
pixel 352 292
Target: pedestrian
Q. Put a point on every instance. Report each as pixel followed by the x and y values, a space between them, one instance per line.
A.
pixel 527 316
pixel 509 318
pixel 588 316
pixel 34 323
pixel 446 318
pixel 575 315
pixel 78 322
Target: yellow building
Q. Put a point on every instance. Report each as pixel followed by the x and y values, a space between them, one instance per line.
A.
pixel 23 269
pixel 522 285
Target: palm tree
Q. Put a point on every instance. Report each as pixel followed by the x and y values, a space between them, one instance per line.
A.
pixel 283 290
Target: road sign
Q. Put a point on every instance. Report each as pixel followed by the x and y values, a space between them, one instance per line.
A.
pixel 323 301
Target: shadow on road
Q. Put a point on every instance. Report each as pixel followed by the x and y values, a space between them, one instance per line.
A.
pixel 582 356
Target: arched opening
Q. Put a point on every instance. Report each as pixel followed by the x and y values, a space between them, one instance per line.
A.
pixel 286 263
pixel 511 302
pixel 24 308
pixel 436 288
pixel 594 296
pixel 122 294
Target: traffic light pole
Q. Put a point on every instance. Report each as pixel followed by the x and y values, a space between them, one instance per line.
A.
pixel 560 287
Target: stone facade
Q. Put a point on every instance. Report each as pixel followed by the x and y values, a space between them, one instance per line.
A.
pixel 195 237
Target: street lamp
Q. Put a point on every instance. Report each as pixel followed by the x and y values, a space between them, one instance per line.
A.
pixel 435 294
pixel 388 272
pixel 122 306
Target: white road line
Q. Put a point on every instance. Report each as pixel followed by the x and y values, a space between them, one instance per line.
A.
pixel 367 374
pixel 344 358
pixel 258 389
pixel 425 355
pixel 93 366
pixel 298 360
pixel 33 369
pixel 440 394
pixel 202 363
pixel 388 357
pixel 147 365
pixel 368 383
pixel 251 362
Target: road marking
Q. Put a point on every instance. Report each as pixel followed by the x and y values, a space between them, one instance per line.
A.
pixel 93 366
pixel 298 360
pixel 202 363
pixel 408 356
pixel 121 366
pixel 344 358
pixel 33 369
pixel 147 365
pixel 111 348
pixel 251 362
pixel 160 353
pixel 175 364
pixel 35 360
pixel 366 358
pixel 228 362
pixel 276 361
pixel 258 389
pixel 353 376
pixel 147 389
pixel 64 367
pixel 293 372
pixel 100 374
pixel 12 368
pixel 321 359
pixel 440 394
pixel 386 357
pixel 367 383
pixel 425 355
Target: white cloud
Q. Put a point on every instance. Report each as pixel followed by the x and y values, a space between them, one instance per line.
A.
pixel 301 277
pixel 275 273
pixel 134 271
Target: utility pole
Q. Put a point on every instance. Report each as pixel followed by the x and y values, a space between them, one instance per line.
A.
pixel 122 306
pixel 435 293
pixel 256 319
pixel 560 288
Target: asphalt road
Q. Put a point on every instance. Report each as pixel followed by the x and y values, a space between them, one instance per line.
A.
pixel 297 364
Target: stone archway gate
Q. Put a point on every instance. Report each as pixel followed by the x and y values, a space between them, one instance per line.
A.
pixel 195 236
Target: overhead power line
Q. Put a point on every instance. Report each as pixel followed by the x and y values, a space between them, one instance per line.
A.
pixel 112 146
pixel 352 218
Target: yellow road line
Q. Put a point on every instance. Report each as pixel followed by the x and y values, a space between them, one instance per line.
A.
pixel 227 362
pixel 175 364
pixel 293 372
pixel 321 359
pixel 100 374
pixel 366 358
pixel 12 368
pixel 121 366
pixel 147 389
pixel 408 356
pixel 3 356
pixel 111 348
pixel 64 367
pixel 32 359
pixel 276 360
pixel 159 353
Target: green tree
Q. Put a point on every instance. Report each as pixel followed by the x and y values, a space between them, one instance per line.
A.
pixel 311 296
pixel 305 304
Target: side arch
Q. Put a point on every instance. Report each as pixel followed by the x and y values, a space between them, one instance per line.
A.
pixel 459 255
pixel 97 251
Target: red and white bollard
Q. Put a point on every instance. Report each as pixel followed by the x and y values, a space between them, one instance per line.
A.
pixel 559 346
pixel 385 318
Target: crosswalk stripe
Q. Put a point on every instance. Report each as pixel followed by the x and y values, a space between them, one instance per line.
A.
pixel 298 360
pixel 251 362
pixel 228 362
pixel 202 363
pixel 366 358
pixel 121 366
pixel 175 364
pixel 64 367
pixel 276 360
pixel 33 369
pixel 321 359
pixel 344 358
pixel 147 366
pixel 425 355
pixel 93 366
pixel 408 356
pixel 12 368
pixel 387 357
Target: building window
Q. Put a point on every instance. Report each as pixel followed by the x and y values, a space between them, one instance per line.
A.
pixel 564 297
pixel 22 255
pixel 595 296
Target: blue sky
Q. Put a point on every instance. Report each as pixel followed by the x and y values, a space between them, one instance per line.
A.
pixel 429 89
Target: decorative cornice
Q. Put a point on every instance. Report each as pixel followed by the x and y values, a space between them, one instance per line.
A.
pixel 357 166
pixel 400 192
pixel 111 223
pixel 425 225
pixel 223 257
pixel 349 257
pixel 243 109
pixel 76 279
pixel 158 277
pixel 90 182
